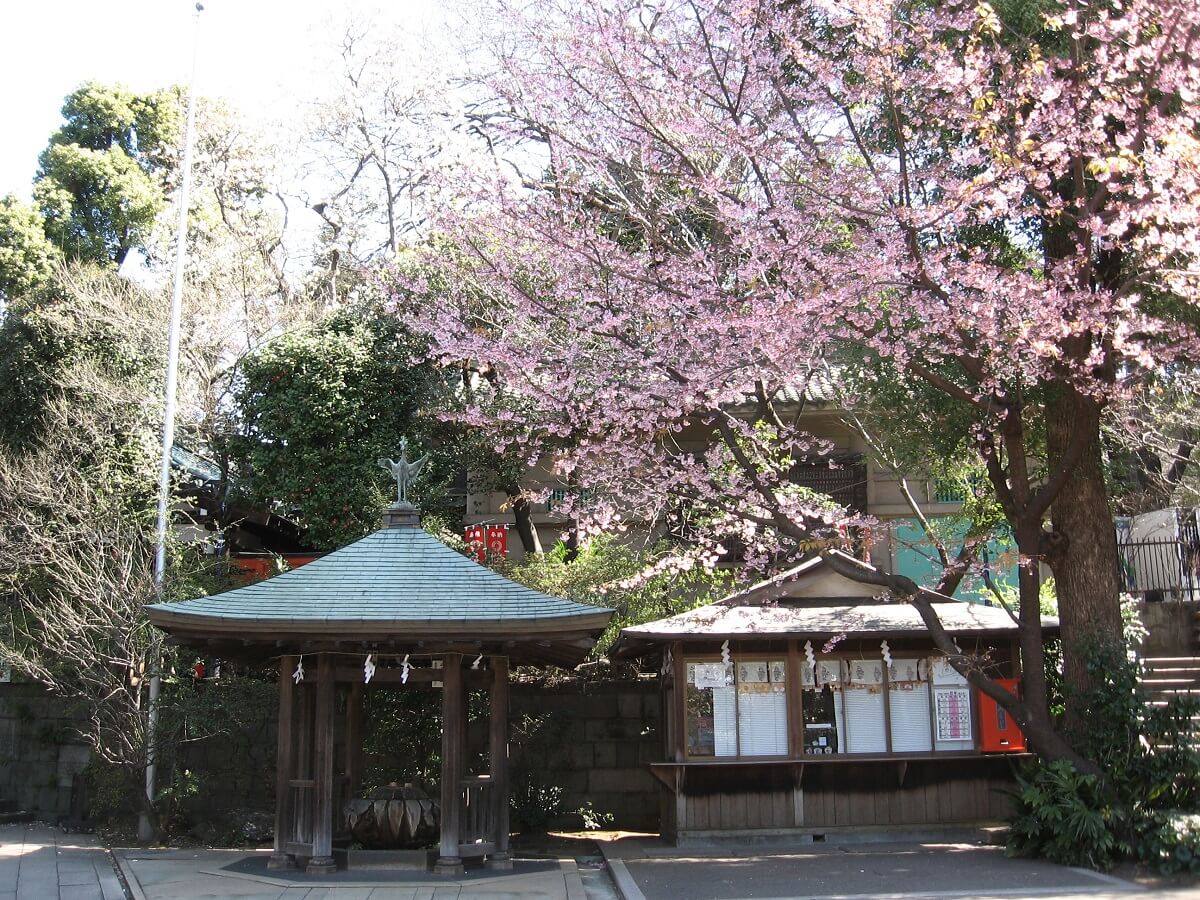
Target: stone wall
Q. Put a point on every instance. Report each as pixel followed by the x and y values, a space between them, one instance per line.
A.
pixel 1172 627
pixel 575 742
pixel 38 758
pixel 592 740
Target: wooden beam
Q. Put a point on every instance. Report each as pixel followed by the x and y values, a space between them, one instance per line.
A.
pixel 322 862
pixel 669 776
pixel 417 678
pixel 283 766
pixel 454 724
pixel 498 756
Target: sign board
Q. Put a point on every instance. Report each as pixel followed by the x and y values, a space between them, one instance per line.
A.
pixel 952 707
pixel 710 675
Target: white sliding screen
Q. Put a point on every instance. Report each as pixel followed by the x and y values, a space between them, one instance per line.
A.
pixel 762 707
pixel 863 696
pixel 908 695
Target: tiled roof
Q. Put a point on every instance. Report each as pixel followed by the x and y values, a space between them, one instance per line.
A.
pixel 396 575
pixel 194 465
pixel 815 386
pixel 720 620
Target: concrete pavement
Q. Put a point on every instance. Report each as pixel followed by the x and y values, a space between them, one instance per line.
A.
pixel 650 870
pixel 39 862
pixel 238 875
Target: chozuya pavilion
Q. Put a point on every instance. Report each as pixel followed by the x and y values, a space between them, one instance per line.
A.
pixel 397 609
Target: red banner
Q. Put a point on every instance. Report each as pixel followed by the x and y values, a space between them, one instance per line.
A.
pixel 476 538
pixel 497 540
pixel 486 542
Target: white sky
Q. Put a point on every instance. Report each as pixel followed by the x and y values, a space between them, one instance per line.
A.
pixel 263 55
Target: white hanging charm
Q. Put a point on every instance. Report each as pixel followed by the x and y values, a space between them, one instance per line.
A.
pixel 404 668
pixel 298 675
pixel 368 670
pixel 810 655
pixel 668 662
pixel 725 658
pixel 478 660
pixel 887 654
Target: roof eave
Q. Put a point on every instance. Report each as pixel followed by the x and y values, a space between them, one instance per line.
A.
pixel 630 642
pixel 235 627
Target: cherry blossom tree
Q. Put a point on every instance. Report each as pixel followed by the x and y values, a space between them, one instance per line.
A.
pixel 693 207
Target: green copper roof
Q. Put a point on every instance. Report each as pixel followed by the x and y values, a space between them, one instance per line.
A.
pixel 399 575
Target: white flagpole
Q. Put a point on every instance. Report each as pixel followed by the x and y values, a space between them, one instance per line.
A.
pixel 145 828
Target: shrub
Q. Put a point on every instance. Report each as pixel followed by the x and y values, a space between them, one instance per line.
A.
pixel 1065 816
pixel 1170 841
pixel 1143 806
pixel 536 805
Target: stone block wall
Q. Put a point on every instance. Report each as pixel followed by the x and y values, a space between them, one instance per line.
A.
pixel 577 742
pixel 592 740
pixel 1172 628
pixel 38 758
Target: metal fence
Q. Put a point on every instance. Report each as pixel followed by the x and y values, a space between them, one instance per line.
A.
pixel 1162 570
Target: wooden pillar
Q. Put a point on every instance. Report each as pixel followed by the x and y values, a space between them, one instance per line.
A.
pixel 354 739
pixel 679 707
pixel 498 755
pixel 678 712
pixel 795 699
pixel 454 726
pixel 322 861
pixel 283 766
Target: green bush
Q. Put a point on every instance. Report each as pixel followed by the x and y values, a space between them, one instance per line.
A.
pixel 1143 806
pixel 1170 841
pixel 536 805
pixel 1065 817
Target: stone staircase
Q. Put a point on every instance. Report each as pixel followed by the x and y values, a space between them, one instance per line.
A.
pixel 1170 676
pixel 9 813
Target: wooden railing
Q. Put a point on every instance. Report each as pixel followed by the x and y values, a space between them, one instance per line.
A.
pixel 478 812
pixel 301 807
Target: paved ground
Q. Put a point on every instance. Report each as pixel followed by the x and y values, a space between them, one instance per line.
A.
pixel 38 862
pixel 205 875
pixel 650 871
pixel 42 863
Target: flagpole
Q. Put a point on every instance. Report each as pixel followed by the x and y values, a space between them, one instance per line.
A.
pixel 145 826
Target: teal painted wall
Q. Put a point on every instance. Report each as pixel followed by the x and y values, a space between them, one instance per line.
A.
pixel 916 558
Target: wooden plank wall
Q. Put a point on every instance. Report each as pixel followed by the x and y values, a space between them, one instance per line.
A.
pixel 759 809
pixel 868 794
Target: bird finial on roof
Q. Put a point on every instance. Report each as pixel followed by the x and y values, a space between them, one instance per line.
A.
pixel 404 471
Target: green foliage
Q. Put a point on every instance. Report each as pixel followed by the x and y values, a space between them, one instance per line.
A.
pixel 1139 807
pixel 1170 841
pixel 319 406
pixel 536 802
pixel 104 177
pixel 594 819
pixel 111 792
pixel 921 433
pixel 1066 817
pixel 87 333
pixel 26 256
pixel 402 738
pixel 536 805
pixel 640 585
pixel 917 422
pixel 215 740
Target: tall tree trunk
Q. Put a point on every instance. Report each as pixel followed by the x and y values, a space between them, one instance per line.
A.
pixel 1085 564
pixel 523 518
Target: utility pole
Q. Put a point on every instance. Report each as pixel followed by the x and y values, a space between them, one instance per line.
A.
pixel 145 826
